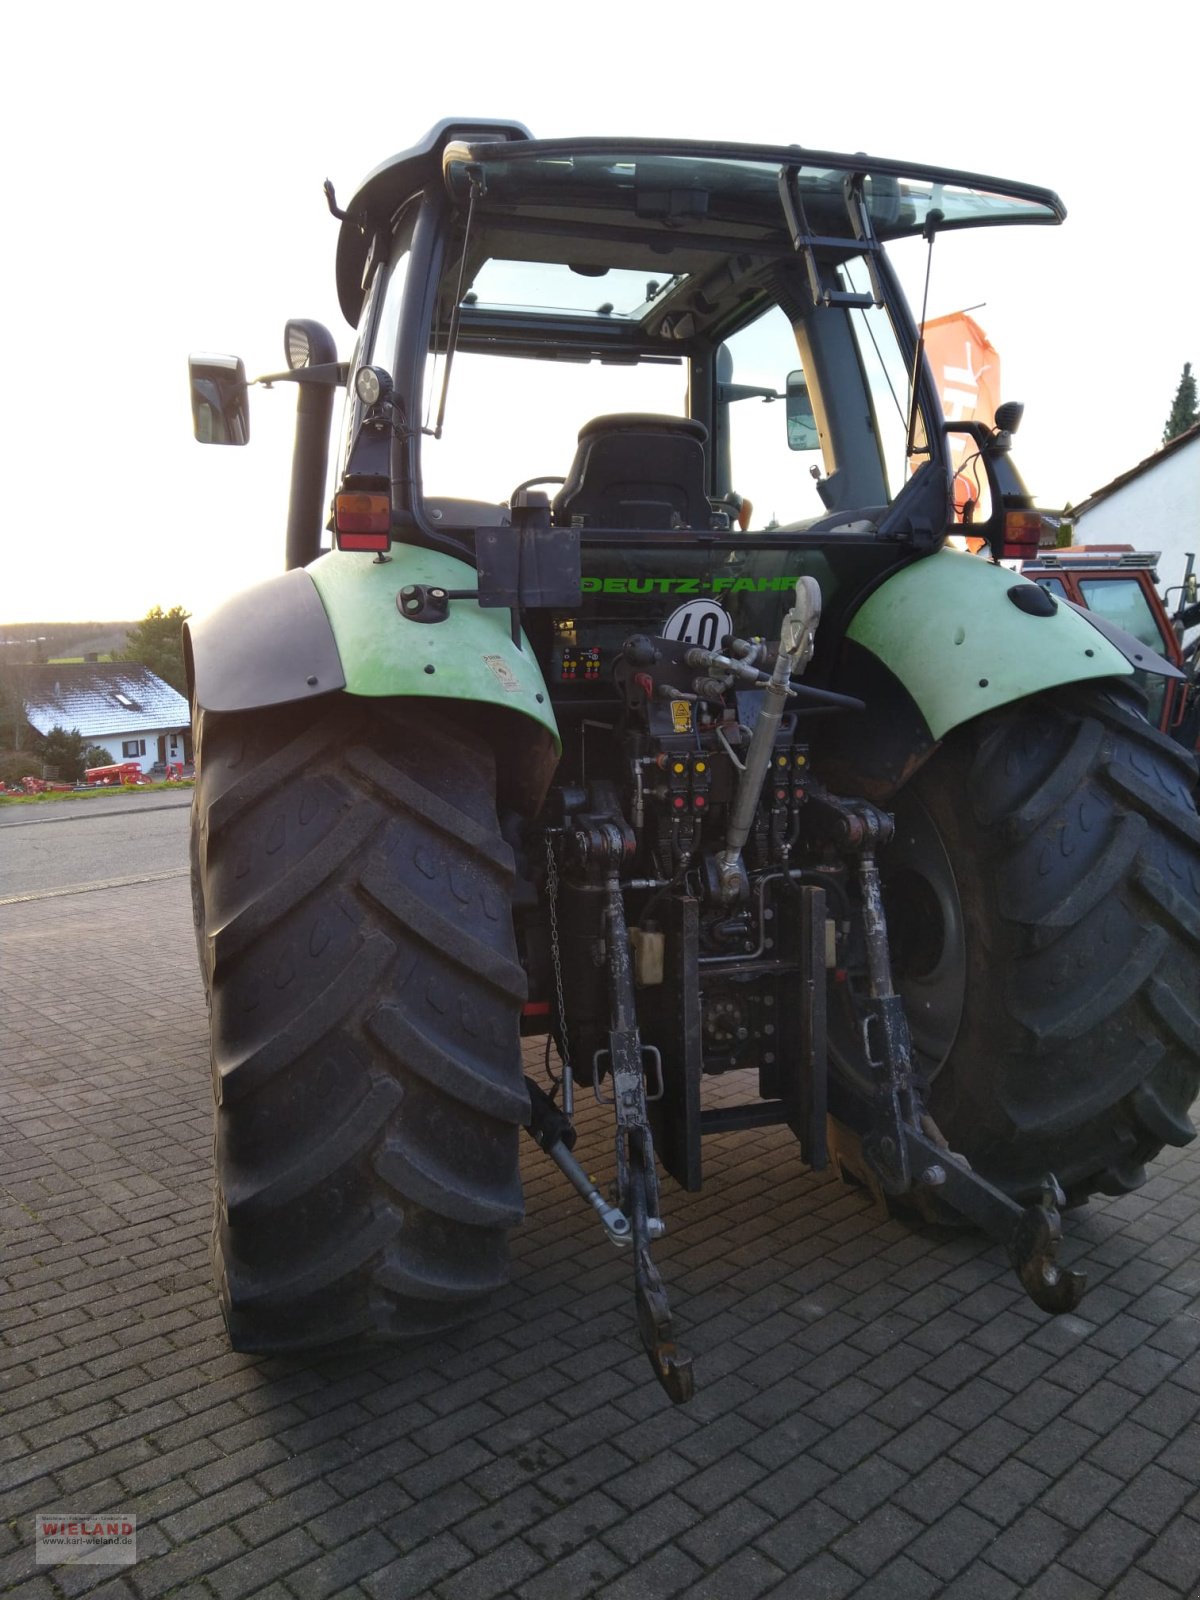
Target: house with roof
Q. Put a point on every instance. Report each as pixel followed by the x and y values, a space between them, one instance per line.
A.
pixel 119 705
pixel 1153 506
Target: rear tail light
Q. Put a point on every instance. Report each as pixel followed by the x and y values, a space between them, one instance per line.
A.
pixel 1022 533
pixel 362 521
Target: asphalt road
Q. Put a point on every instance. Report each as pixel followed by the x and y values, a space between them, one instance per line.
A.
pixel 76 847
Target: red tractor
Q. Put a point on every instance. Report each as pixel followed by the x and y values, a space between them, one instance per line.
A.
pixel 1118 584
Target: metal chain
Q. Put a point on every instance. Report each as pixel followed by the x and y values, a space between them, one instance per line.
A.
pixel 556 953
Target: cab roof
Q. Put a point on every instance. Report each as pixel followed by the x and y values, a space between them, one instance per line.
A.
pixel 669 197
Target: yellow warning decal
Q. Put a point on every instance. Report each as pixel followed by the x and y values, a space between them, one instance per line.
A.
pixel 681 716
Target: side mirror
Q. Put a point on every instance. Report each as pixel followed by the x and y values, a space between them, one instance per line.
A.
pixel 220 400
pixel 801 420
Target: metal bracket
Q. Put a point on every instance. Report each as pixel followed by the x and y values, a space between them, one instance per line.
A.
pixel 903 1155
pixel 1030 1234
pixel 635 1156
pixel 671 1366
pixel 650 1055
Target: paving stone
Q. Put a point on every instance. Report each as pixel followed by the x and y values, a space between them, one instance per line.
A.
pixel 297 1508
pixel 504 1518
pixel 1080 1368
pixel 343 1519
pixel 1182 1455
pixel 1058 1583
pixel 415 1575
pixel 1167 1409
pixel 986 1446
pixel 1126 1450
pixel 823 1578
pixel 494 1574
pixel 900 1579
pixel 1139 1585
pixel 1028 1545
pixel 1080 1494
pixel 791 1486
pixel 638 1485
pixel 336 1571
pixel 793 1436
pixel 1037 1405
pixel 925 1441
pixel 881 1415
pixel 577 1577
pixel 952 1542
pixel 864 1487
pixel 747 1575
pixel 645 1530
pixel 664 1574
pixel 451 1466
pixel 935 1489
pixel 244 1463
pixel 1055 1449
pixel 1103 1406
pixel 1107 1549
pixel 1174 1557
pixel 1006 1492
pixel 973 1403
pixel 852 1442
pixel 877 1538
pixel 210 1511
pixel 168 1572
pixel 1153 1498
pixel 707 1491
pixel 712 1540
pixel 557 1536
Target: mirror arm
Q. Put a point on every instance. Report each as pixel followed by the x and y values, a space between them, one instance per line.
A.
pixel 727 393
pixel 325 375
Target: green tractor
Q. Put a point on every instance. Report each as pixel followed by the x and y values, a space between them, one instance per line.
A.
pixel 639 702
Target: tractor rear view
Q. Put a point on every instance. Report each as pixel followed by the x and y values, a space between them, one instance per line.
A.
pixel 638 702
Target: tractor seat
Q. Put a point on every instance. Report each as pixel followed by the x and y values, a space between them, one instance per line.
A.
pixel 637 470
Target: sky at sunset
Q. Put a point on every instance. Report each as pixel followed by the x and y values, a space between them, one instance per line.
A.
pixel 163 195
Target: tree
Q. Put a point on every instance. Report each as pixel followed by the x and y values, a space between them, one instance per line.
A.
pixel 63 755
pixel 1183 411
pixel 14 729
pixel 157 642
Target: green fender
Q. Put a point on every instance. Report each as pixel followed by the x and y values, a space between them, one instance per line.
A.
pixel 468 656
pixel 947 628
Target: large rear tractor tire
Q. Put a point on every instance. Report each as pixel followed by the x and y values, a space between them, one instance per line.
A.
pixel 353 898
pixel 1043 895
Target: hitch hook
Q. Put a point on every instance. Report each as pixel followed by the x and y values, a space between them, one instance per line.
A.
pixel 1033 1251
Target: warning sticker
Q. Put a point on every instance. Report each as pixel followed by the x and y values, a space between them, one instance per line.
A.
pixel 681 716
pixel 506 675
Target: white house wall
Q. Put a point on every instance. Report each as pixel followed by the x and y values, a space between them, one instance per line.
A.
pixel 113 742
pixel 1157 510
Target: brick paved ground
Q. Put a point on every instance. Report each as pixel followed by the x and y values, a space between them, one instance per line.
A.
pixel 880 1412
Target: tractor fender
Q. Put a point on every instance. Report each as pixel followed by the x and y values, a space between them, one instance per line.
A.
pixel 337 624
pixel 266 646
pixel 962 638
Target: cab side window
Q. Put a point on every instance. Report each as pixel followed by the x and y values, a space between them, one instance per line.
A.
pixel 772 471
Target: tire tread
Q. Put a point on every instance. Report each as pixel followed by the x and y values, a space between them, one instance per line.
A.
pixel 353 894
pixel 1079 1050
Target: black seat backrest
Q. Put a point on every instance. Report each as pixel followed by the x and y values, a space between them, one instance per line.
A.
pixel 637 470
